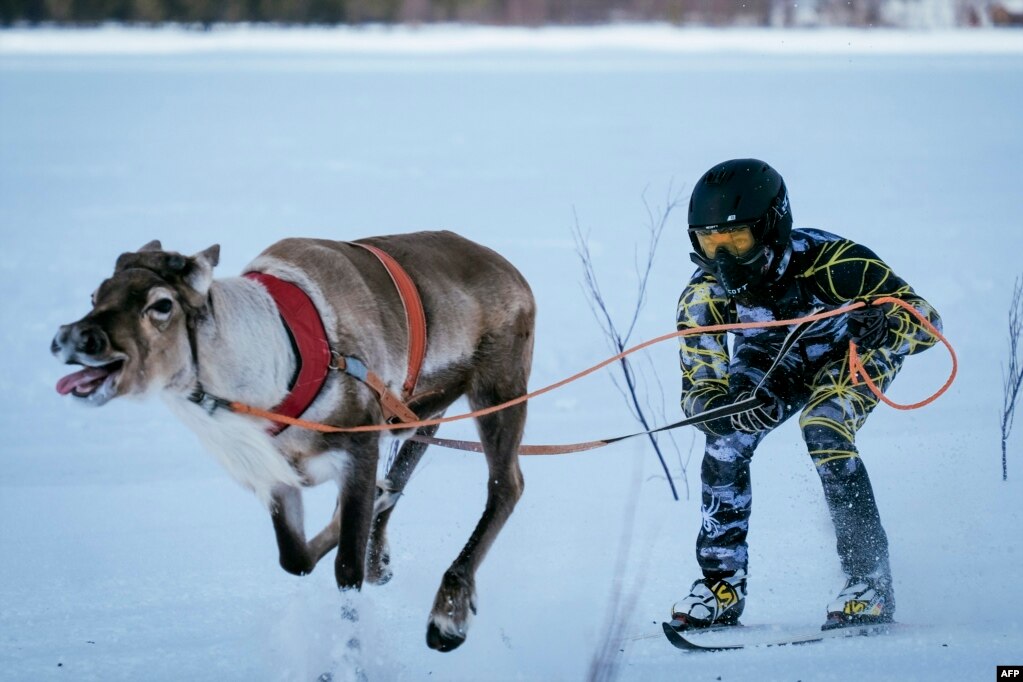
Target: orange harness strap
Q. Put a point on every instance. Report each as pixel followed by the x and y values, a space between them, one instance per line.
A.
pixel 856 368
pixel 415 317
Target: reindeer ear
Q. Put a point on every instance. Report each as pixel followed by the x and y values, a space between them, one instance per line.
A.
pixel 154 245
pixel 212 255
pixel 200 276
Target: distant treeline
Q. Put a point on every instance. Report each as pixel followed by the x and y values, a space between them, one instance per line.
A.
pixel 498 12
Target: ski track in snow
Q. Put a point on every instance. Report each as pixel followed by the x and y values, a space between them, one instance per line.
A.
pixel 125 552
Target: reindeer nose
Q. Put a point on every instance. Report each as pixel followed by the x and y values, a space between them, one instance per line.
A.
pixel 79 339
pixel 90 340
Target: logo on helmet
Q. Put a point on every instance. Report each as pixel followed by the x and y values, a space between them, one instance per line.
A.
pixel 783 205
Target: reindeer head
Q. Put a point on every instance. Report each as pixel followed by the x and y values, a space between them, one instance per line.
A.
pixel 136 337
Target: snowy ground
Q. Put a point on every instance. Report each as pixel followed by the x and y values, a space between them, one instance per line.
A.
pixel 125 553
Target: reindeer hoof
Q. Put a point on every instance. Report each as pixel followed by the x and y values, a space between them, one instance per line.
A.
pixel 453 609
pixel 378 569
pixel 441 641
pixel 379 575
pixel 296 565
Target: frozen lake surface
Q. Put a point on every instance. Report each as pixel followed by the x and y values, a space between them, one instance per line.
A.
pixel 126 553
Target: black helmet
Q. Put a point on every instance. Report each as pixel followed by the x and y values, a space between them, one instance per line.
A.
pixel 740 210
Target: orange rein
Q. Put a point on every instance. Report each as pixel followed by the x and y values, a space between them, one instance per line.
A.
pixel 858 372
pixel 856 369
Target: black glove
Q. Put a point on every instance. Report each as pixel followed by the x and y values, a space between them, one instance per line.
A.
pixel 716 427
pixel 869 327
pixel 762 418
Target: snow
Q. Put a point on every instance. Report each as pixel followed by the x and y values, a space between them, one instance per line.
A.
pixel 126 553
pixel 474 40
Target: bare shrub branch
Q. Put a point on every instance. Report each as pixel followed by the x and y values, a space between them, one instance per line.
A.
pixel 1012 374
pixel 619 340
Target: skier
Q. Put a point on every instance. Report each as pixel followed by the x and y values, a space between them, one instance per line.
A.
pixel 753 267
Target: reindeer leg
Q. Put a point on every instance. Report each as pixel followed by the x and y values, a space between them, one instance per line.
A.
pixel 456 599
pixel 355 506
pixel 288 519
pixel 501 434
pixel 378 569
pixel 318 547
pixel 326 539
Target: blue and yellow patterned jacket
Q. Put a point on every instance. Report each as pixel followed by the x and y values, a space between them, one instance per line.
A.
pixel 821 271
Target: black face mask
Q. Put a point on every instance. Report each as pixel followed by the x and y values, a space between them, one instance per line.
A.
pixel 735 275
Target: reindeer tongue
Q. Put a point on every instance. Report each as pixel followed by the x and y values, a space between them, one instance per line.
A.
pixel 82 380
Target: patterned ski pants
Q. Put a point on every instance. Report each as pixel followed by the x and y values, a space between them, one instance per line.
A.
pixel 833 410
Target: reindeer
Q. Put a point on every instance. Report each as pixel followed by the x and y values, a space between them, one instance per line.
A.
pixel 163 323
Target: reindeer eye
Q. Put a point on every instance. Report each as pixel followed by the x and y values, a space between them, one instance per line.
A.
pixel 163 306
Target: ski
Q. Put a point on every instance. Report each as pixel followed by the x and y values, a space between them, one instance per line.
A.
pixel 733 637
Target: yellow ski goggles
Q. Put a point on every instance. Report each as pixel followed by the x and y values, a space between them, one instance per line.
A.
pixel 737 240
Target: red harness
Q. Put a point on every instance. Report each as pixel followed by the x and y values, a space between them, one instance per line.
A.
pixel 312 347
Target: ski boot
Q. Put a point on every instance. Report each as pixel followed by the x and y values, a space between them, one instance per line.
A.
pixel 711 601
pixel 863 601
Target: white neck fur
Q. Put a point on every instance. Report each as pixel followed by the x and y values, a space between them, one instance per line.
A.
pixel 243 353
